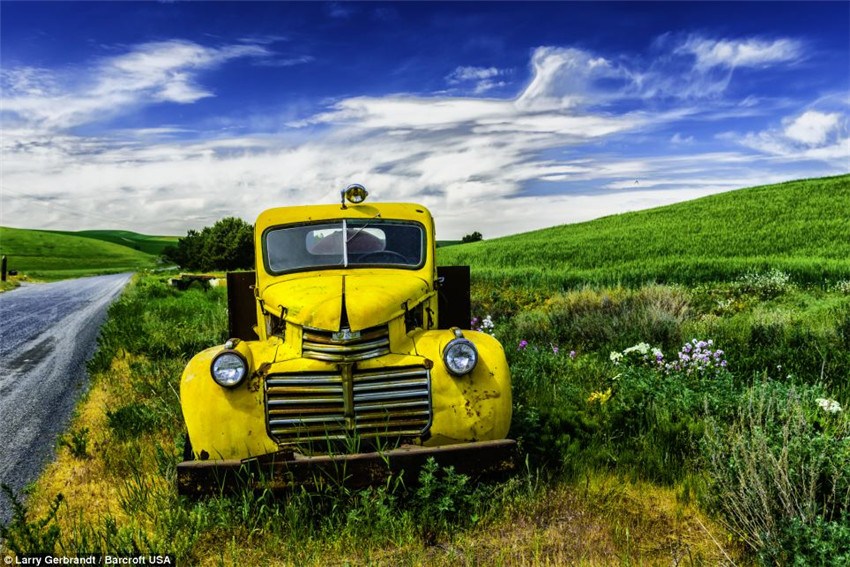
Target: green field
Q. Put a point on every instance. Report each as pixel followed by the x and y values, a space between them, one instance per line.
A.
pixel 52 256
pixel 153 245
pixel 800 227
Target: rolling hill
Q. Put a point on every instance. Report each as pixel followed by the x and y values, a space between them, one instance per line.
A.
pixel 145 243
pixel 52 255
pixel 801 227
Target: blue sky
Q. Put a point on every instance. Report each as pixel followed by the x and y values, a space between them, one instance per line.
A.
pixel 500 117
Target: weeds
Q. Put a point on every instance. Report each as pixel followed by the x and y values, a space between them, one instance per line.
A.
pixel 131 421
pixel 781 472
pixel 76 441
pixel 37 536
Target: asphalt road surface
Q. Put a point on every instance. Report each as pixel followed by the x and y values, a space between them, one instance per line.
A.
pixel 47 332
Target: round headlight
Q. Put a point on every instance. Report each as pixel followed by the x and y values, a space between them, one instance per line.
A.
pixel 229 369
pixel 460 357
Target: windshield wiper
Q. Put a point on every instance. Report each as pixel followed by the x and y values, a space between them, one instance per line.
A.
pixel 359 230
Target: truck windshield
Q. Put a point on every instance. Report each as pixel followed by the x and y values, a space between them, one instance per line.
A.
pixel 370 242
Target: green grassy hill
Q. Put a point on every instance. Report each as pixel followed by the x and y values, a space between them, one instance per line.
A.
pixel 800 227
pixel 145 243
pixel 52 255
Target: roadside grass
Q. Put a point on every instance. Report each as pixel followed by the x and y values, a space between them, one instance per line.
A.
pixel 52 256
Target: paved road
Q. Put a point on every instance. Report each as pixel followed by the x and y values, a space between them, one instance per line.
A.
pixel 47 332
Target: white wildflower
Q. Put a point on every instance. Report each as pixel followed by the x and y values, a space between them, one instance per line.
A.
pixel 829 406
pixel 642 348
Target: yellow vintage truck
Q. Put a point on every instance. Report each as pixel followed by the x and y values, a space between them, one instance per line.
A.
pixel 347 360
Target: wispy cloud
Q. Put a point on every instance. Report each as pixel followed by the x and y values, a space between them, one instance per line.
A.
pixel 696 67
pixel 482 79
pixel 566 77
pixel 284 61
pixel 549 154
pixel 750 52
pixel 158 72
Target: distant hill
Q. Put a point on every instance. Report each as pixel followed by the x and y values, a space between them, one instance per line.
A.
pixel 54 255
pixel 142 242
pixel 802 227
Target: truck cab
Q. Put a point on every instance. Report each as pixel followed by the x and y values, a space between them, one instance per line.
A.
pixel 349 352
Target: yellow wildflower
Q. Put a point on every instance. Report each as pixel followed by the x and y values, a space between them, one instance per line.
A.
pixel 600 397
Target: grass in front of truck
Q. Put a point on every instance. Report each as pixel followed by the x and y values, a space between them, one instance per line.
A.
pixel 115 469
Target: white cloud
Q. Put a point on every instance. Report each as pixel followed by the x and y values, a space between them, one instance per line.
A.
pixel 161 71
pixel 702 68
pixel 732 53
pixel 495 165
pixel 812 135
pixel 480 79
pixel 473 74
pixel 812 128
pixel 564 77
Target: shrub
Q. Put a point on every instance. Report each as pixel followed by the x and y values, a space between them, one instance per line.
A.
pixel 605 319
pixel 781 472
pixel 647 420
pixel 656 414
pixel 442 500
pixel 764 285
pixel 227 245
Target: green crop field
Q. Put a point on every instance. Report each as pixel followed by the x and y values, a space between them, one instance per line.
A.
pixel 143 242
pixel 52 256
pixel 800 227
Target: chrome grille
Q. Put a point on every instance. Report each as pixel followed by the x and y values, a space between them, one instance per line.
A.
pixel 345 345
pixel 387 403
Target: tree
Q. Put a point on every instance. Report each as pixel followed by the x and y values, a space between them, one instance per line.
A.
pixel 474 237
pixel 227 245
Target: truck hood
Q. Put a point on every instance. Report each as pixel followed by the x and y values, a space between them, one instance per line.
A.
pixel 370 300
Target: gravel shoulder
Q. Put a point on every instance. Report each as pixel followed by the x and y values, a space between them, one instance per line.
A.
pixel 47 332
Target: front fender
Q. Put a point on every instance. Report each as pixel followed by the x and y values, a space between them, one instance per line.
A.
pixel 474 407
pixel 225 423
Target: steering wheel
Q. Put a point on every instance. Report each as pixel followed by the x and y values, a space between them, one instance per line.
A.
pixel 390 253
